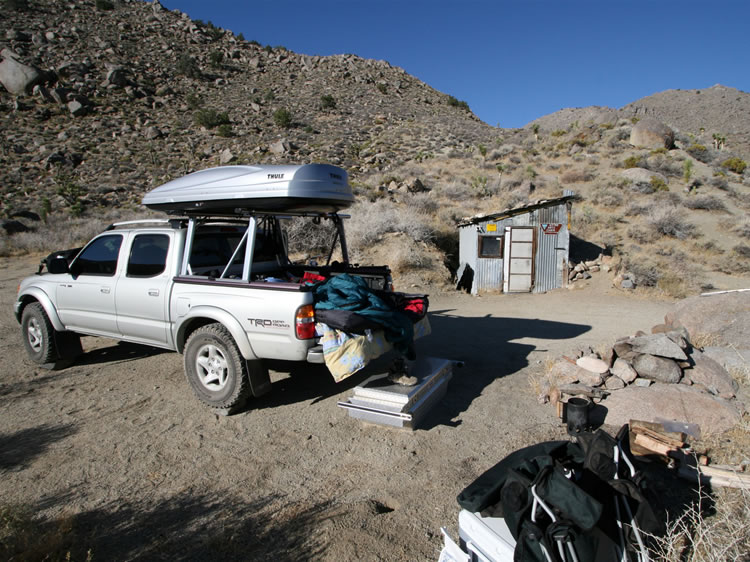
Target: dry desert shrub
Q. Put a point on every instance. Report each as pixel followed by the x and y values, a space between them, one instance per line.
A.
pixel 710 530
pixel 424 203
pixel 743 230
pixel 577 176
pixel 669 221
pixel 371 221
pixel 705 203
pixel 23 536
pixel 454 191
pixel 606 197
pixel 62 232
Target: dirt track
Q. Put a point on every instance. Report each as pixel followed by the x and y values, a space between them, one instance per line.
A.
pixel 119 442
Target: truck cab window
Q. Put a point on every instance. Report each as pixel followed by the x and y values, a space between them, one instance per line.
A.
pixel 99 257
pixel 148 255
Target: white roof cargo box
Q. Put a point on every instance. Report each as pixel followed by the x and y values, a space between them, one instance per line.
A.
pixel 231 190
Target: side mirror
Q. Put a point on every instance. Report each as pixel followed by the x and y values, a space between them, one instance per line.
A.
pixel 58 265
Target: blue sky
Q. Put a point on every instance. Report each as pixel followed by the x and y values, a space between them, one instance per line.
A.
pixel 514 61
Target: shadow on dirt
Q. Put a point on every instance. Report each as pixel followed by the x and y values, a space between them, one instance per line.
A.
pixel 486 347
pixel 196 527
pixel 310 382
pixel 583 250
pixel 120 352
pixel 483 344
pixel 18 449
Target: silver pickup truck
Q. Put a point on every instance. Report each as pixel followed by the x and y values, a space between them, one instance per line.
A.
pixel 217 283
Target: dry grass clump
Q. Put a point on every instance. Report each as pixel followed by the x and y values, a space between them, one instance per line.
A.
pixel 743 230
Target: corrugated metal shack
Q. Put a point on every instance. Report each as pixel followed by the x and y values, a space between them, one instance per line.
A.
pixel 517 250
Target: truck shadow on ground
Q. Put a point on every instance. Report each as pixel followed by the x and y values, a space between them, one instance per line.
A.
pixel 483 344
pixel 486 348
pixel 118 352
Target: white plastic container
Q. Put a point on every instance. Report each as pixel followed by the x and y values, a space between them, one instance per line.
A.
pixel 483 539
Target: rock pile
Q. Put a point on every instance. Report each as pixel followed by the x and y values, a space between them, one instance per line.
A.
pixel 650 377
pixel 583 270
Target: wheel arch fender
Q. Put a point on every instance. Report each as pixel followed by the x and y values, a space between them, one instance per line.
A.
pixel 35 294
pixel 202 315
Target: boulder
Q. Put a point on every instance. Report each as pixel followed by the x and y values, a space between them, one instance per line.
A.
pixel 565 372
pixel 707 372
pixel 658 344
pixel 658 369
pixel 641 178
pixel 729 358
pixel 17 77
pixel 614 383
pixel 226 157
pixel 280 147
pixel 592 364
pixel 415 185
pixel 651 133
pixel 76 108
pixel 723 318
pixel 672 402
pixel 624 370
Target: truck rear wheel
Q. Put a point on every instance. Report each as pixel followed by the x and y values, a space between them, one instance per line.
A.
pixel 38 335
pixel 215 368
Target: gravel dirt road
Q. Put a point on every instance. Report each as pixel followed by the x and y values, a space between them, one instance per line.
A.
pixel 118 443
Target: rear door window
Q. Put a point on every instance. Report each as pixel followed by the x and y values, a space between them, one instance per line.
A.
pixel 148 255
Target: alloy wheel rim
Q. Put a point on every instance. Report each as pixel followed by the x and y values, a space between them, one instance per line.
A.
pixel 212 367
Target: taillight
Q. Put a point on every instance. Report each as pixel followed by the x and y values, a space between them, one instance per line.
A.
pixel 304 322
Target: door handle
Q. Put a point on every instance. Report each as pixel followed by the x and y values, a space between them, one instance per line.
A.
pixel 153 292
pixel 104 290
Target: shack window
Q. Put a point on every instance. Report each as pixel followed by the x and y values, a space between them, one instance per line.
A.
pixel 490 246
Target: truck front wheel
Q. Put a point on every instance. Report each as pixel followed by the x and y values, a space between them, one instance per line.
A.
pixel 38 335
pixel 215 368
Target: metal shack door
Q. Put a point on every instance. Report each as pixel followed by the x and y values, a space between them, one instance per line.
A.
pixel 518 266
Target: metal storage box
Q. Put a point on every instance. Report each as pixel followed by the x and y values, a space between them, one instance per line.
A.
pixel 380 401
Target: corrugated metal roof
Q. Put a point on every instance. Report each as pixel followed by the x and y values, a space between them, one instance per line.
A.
pixel 518 211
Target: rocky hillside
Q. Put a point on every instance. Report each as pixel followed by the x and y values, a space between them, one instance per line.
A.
pixel 104 99
pixel 717 111
pixel 126 95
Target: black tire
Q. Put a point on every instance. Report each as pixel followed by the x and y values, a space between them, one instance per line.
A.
pixel 215 368
pixel 38 335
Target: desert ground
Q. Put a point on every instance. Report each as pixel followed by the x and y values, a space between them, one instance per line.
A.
pixel 118 446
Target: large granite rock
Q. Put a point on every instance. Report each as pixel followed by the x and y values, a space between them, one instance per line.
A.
pixel 18 78
pixel 658 344
pixel 565 372
pixel 651 133
pixel 711 375
pixel 675 402
pixel 723 319
pixel 658 369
